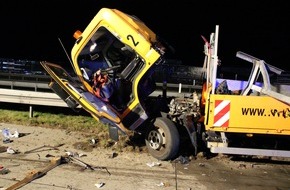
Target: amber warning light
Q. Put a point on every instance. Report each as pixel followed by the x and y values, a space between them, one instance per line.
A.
pixel 77 34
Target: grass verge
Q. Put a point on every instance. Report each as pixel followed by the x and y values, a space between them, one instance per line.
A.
pixel 66 119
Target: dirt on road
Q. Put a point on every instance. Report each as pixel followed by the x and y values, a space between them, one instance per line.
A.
pixel 36 147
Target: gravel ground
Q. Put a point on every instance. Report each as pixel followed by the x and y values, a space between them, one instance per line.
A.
pixel 36 147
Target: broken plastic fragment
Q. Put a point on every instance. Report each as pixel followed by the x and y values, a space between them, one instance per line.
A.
pixel 82 154
pixel 93 141
pixel 160 184
pixel 72 154
pixel 153 164
pixel 6 135
pixel 99 185
pixel 11 150
pixel 5 132
pixel 15 134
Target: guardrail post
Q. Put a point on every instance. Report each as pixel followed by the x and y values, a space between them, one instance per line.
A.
pixel 30 112
pixel 164 89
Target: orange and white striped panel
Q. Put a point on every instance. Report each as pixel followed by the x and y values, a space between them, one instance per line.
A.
pixel 222 113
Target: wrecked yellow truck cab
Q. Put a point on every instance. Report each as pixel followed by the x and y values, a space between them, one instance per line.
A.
pixel 123 50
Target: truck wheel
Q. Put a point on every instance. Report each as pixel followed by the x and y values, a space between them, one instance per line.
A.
pixel 162 139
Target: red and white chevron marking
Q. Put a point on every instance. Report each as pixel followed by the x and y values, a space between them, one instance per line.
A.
pixel 222 113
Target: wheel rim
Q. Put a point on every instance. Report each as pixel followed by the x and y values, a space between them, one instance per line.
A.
pixel 155 139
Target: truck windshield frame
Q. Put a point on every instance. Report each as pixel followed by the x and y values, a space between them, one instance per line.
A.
pixel 103 51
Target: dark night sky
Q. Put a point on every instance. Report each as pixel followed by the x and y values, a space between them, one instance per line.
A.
pixel 30 29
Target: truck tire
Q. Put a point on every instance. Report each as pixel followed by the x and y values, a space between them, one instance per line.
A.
pixel 162 139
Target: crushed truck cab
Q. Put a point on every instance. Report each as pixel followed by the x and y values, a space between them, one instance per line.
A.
pixel 124 49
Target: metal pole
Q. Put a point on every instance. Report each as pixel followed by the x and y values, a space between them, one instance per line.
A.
pixel 164 89
pixel 30 112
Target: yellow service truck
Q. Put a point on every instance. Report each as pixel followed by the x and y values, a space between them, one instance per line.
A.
pixel 245 117
pixel 114 60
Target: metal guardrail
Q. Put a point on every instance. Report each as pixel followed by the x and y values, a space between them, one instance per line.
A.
pixel 25 77
pixel 31 98
pixel 28 89
pixel 36 93
pixel 25 85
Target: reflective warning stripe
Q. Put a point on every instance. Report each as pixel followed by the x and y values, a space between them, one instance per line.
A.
pixel 222 113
